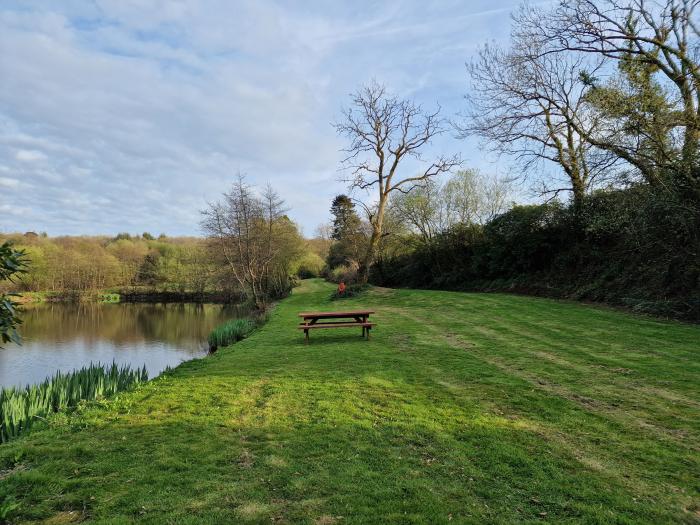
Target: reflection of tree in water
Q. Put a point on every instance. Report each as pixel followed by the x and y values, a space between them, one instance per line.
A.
pixel 125 323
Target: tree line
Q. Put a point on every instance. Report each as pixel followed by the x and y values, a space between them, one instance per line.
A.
pixel 80 264
pixel 597 103
pixel 127 263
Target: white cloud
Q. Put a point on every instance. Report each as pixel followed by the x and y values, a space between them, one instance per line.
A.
pixel 6 182
pixel 150 108
pixel 24 155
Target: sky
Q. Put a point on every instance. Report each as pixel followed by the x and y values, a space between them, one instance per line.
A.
pixel 132 115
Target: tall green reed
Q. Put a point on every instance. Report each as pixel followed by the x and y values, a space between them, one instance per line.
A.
pixel 21 407
pixel 230 332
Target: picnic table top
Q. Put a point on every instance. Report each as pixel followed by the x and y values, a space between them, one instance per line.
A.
pixel 320 315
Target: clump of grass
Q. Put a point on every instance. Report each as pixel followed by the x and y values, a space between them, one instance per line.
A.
pixel 230 332
pixel 108 298
pixel 21 407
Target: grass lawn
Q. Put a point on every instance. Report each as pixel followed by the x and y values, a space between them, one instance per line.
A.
pixel 463 408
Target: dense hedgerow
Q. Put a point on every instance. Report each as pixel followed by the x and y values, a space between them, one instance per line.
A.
pixel 632 248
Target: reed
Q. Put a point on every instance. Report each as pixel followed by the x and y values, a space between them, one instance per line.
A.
pixel 230 332
pixel 21 407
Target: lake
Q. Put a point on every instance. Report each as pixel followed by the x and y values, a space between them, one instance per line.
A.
pixel 65 336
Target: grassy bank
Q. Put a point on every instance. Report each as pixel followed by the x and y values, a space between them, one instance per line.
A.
pixel 20 407
pixel 463 408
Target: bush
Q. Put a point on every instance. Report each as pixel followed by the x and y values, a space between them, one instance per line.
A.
pixel 635 248
pixel 346 273
pixel 351 290
pixel 230 332
pixel 311 265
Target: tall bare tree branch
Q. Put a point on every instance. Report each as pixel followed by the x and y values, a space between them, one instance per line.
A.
pixel 383 130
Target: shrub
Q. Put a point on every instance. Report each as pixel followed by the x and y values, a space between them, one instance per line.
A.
pixel 230 332
pixel 311 265
pixel 351 290
pixel 346 273
pixel 635 247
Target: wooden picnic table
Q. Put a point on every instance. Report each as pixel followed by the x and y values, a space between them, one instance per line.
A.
pixel 314 320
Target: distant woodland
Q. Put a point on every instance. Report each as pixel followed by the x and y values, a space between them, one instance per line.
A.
pixel 70 265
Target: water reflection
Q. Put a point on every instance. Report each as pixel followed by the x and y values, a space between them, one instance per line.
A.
pixel 66 336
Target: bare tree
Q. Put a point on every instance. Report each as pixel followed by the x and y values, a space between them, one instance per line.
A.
pixel 530 104
pixel 384 130
pixel 324 232
pixel 253 238
pixel 664 37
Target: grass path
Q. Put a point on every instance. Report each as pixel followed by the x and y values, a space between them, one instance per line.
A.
pixel 463 408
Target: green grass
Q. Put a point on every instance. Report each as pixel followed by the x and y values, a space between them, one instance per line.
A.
pixel 230 332
pixel 462 408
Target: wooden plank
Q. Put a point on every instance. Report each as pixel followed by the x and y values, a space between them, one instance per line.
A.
pixel 355 321
pixel 333 325
pixel 320 315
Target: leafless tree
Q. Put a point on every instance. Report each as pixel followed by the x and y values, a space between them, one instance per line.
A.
pixel 324 232
pixel 530 104
pixel 383 130
pixel 253 237
pixel 663 35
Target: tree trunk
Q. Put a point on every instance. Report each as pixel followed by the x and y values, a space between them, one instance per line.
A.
pixel 377 223
pixel 363 271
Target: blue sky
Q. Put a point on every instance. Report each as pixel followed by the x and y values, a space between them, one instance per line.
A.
pixel 130 115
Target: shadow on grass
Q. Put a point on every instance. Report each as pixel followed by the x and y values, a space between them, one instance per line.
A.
pixel 487 469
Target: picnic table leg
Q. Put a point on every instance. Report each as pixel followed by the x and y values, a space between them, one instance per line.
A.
pixel 368 333
pixel 306 336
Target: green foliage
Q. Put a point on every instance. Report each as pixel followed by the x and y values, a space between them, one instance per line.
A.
pixel 350 240
pixel 22 407
pixel 345 219
pixel 643 114
pixel 7 506
pixel 635 248
pixel 345 273
pixel 109 298
pixel 308 266
pixel 230 332
pixel 80 265
pixel 12 263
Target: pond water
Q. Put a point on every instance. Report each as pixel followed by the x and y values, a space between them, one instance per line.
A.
pixel 62 336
